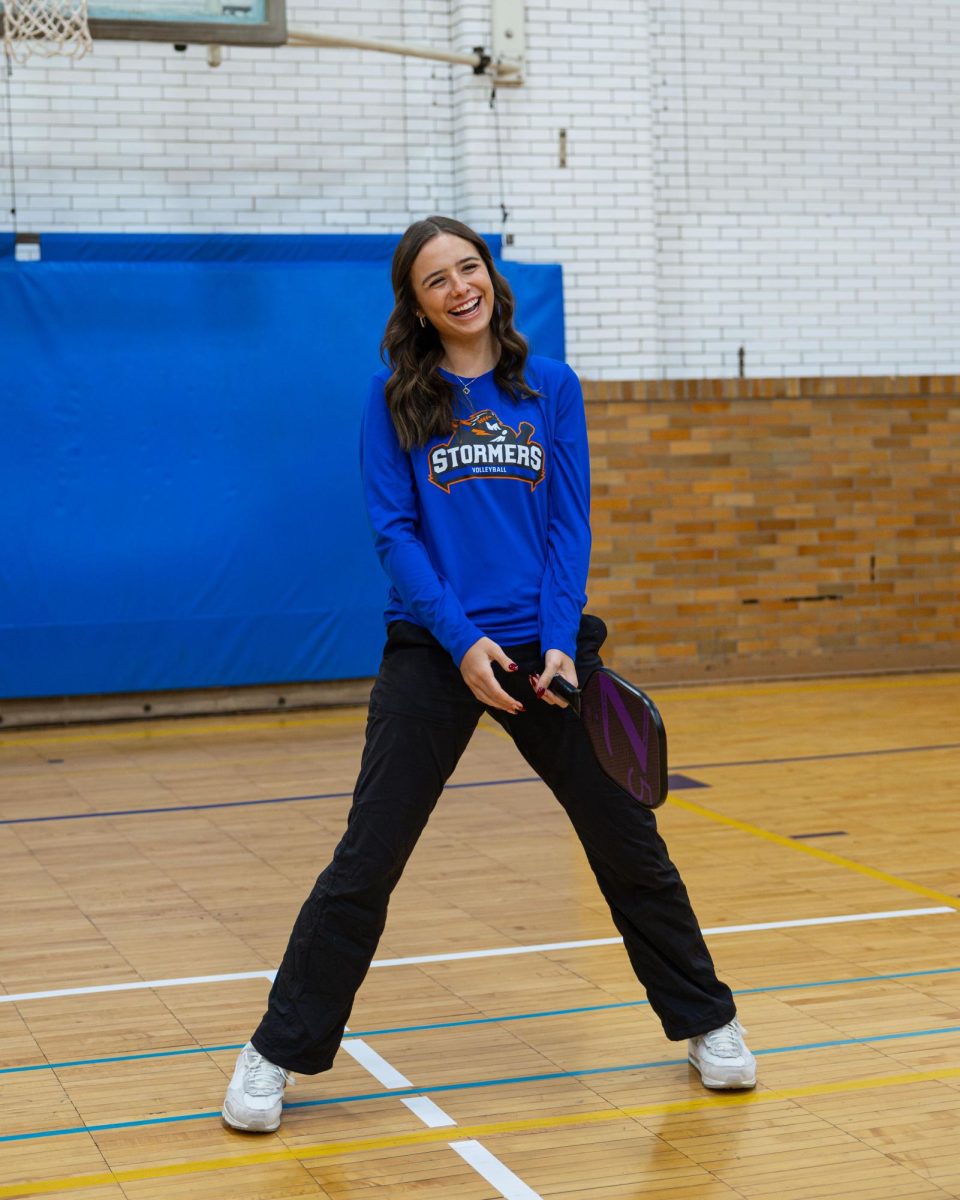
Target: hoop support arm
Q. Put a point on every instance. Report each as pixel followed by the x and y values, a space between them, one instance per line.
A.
pixel 478 59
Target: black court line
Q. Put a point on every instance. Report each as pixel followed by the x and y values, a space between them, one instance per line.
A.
pixel 799 837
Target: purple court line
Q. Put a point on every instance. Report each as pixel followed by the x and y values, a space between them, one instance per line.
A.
pixel 138 812
pixel 676 782
pixel 764 762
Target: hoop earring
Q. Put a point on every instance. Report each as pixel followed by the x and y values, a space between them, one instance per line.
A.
pixel 423 323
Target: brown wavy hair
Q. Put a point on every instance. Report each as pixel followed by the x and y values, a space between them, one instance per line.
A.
pixel 420 400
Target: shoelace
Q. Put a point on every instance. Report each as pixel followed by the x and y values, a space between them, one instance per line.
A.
pixel 725 1042
pixel 263 1078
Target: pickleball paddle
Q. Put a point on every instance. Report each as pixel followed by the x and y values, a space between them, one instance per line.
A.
pixel 625 731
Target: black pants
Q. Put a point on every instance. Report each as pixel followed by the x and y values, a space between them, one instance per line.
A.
pixel 421 718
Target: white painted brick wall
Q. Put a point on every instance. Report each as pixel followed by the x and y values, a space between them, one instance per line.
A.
pixel 806 176
pixel 755 173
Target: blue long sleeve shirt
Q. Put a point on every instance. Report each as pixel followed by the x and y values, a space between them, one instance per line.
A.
pixel 486 531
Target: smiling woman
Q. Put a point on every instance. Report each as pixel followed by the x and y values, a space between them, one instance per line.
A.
pixel 456 297
pixel 454 312
pixel 485 607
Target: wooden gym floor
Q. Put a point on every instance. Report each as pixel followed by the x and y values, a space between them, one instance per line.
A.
pixel 151 873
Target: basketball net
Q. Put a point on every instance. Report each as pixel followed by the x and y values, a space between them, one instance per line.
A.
pixel 45 27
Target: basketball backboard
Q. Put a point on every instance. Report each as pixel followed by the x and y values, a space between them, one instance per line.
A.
pixel 228 22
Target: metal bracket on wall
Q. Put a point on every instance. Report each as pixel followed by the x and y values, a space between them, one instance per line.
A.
pixel 504 63
pixel 508 43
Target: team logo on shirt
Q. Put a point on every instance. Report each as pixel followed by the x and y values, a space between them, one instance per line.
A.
pixel 482 447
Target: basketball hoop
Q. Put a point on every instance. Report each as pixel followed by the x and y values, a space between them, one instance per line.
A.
pixel 45 27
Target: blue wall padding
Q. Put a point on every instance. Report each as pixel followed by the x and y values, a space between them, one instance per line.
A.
pixel 219 247
pixel 179 464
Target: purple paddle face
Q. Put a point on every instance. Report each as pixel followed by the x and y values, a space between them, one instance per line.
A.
pixel 627 736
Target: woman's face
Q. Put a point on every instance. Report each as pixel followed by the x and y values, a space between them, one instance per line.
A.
pixel 453 289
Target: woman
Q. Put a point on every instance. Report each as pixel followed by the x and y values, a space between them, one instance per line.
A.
pixel 476 477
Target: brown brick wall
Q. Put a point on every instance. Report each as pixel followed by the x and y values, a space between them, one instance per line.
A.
pixel 751 527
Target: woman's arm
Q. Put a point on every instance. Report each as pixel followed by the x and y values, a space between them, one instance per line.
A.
pixel 563 591
pixel 390 496
pixel 391 501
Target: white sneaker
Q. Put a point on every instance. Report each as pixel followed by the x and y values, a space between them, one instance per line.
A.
pixel 254 1096
pixel 722 1058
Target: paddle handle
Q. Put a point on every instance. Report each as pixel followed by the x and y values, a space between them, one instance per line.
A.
pixel 566 691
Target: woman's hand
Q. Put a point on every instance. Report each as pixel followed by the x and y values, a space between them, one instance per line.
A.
pixel 477 672
pixel 555 662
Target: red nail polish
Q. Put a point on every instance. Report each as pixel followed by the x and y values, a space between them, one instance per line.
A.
pixel 513 667
pixel 540 691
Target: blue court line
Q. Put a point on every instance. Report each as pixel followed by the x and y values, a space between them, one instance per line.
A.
pixel 504 1019
pixel 473 1084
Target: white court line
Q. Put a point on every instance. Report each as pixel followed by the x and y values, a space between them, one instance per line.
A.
pixel 139 985
pixel 375 1063
pixel 616 941
pixel 487 1165
pixel 499 952
pixel 510 1186
pixel 429 1113
pixel 421 1106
